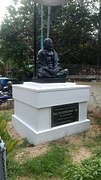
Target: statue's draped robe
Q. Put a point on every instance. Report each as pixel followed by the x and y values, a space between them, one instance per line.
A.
pixel 48 64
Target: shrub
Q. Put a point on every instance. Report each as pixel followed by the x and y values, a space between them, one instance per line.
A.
pixel 9 142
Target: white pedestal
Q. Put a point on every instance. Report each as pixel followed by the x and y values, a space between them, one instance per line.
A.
pixel 32 110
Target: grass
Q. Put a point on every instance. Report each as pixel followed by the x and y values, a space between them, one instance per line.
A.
pixel 46 166
pixel 55 164
pixel 89 169
pixel 7 114
pixel 58 162
pixel 9 142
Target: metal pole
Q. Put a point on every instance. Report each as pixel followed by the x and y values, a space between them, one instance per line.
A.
pixel 48 23
pixel 34 40
pixel 41 26
pixel 2 161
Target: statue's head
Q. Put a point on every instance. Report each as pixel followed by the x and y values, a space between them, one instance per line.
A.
pixel 48 44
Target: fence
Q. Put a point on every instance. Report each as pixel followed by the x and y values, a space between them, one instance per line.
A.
pixel 79 69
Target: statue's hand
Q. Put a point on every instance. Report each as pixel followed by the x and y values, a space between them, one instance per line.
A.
pixel 54 73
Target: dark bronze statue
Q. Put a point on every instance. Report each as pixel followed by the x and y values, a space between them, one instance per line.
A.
pixel 48 62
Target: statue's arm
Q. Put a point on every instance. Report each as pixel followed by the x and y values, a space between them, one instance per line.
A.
pixel 40 59
pixel 41 62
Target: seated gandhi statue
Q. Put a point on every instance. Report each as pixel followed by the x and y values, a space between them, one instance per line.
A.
pixel 48 62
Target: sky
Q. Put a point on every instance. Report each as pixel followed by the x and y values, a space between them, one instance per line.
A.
pixel 3 5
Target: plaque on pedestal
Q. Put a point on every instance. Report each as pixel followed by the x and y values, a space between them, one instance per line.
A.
pixel 64 114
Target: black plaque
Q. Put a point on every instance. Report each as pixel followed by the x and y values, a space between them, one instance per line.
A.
pixel 64 114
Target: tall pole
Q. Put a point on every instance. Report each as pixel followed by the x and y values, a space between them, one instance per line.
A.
pixel 41 26
pixel 99 36
pixel 34 40
pixel 48 23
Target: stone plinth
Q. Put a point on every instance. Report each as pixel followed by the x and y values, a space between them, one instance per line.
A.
pixel 33 104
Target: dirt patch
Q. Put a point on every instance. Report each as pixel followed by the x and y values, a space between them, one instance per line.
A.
pixel 74 139
pixel 23 178
pixel 77 155
pixel 27 152
pixel 83 153
pixel 93 131
pixel 12 132
pixel 31 152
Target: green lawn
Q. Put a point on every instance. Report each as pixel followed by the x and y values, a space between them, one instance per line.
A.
pixel 76 157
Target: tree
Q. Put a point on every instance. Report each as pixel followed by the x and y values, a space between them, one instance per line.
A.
pixel 17 38
pixel 73 29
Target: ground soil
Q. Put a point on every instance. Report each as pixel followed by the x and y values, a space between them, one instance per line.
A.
pixel 33 151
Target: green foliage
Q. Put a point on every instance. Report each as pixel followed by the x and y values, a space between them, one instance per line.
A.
pixel 99 121
pixel 14 169
pixel 97 150
pixel 98 139
pixel 53 164
pixel 6 115
pixel 89 170
pixel 9 142
pixel 17 39
pixel 57 162
pixel 74 28
pixel 46 165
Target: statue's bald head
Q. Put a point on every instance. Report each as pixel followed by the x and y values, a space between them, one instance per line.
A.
pixel 48 44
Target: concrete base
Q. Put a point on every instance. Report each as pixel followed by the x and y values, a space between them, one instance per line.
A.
pixel 32 110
